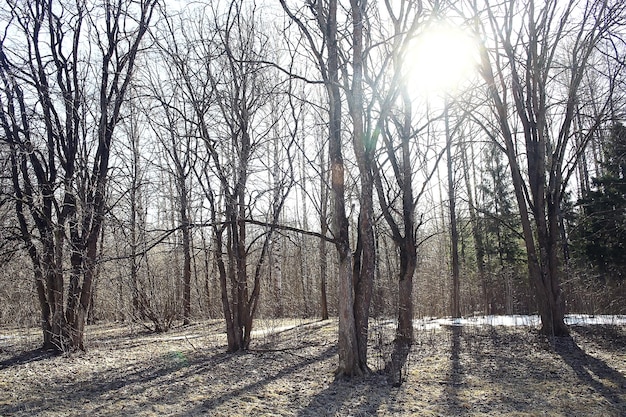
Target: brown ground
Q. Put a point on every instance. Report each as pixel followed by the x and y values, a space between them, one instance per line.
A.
pixel 453 371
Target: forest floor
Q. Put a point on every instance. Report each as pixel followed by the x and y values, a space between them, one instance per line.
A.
pixel 450 371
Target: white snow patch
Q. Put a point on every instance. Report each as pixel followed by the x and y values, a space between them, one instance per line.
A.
pixel 266 331
pixel 516 320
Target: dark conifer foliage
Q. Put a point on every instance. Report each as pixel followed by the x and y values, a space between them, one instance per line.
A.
pixel 600 236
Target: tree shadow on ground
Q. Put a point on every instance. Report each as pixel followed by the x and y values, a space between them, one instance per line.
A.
pixel 594 372
pixel 610 338
pixel 494 370
pixel 61 394
pixel 359 396
pixel 34 355
pixel 454 382
pixel 255 386
pixel 300 333
pixel 163 380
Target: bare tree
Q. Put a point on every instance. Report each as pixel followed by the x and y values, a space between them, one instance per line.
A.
pixel 535 70
pixel 60 142
pixel 235 107
pixel 454 233
pixel 176 136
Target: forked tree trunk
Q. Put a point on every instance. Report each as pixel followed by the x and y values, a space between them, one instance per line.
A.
pixel 541 255
pixel 404 330
pixel 364 147
pixel 544 37
pixel 59 185
pixel 347 337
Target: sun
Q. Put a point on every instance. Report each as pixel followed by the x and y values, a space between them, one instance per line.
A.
pixel 440 60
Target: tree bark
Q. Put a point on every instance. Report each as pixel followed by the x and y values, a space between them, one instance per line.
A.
pixel 454 233
pixel 323 251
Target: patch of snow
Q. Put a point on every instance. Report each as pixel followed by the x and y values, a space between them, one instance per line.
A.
pixel 516 320
pixel 271 330
pixel 584 319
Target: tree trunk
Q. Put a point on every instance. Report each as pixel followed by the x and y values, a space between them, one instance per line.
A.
pixel 541 251
pixel 364 147
pixel 477 236
pixel 323 216
pixel 454 234
pixel 323 251
pixel 347 337
pixel 186 232
pixel 404 330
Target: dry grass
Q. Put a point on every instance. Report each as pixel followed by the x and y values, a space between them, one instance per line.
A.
pixel 483 371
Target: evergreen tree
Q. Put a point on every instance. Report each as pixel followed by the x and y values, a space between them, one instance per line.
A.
pixel 501 235
pixel 600 235
pixel 501 222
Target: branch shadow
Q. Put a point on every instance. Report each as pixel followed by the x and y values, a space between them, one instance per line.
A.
pixel 610 338
pixel 164 380
pixel 594 372
pixel 489 369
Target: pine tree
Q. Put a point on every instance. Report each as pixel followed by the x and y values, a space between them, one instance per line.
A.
pixel 600 235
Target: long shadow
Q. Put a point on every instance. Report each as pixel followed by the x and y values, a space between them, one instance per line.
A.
pixel 607 337
pixel 213 403
pixel 491 356
pixel 594 372
pixel 34 355
pixel 268 342
pixel 146 377
pixel 360 396
pixel 455 380
pixel 142 380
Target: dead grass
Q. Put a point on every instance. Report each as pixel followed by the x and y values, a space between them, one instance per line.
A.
pixel 455 371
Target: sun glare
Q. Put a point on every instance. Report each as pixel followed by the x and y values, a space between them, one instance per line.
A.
pixel 440 60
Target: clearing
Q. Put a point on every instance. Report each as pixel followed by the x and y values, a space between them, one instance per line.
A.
pixel 454 369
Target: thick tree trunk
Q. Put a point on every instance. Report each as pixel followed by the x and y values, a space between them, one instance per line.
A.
pixel 404 330
pixel 550 300
pixel 347 337
pixel 408 262
pixel 542 257
pixel 364 146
